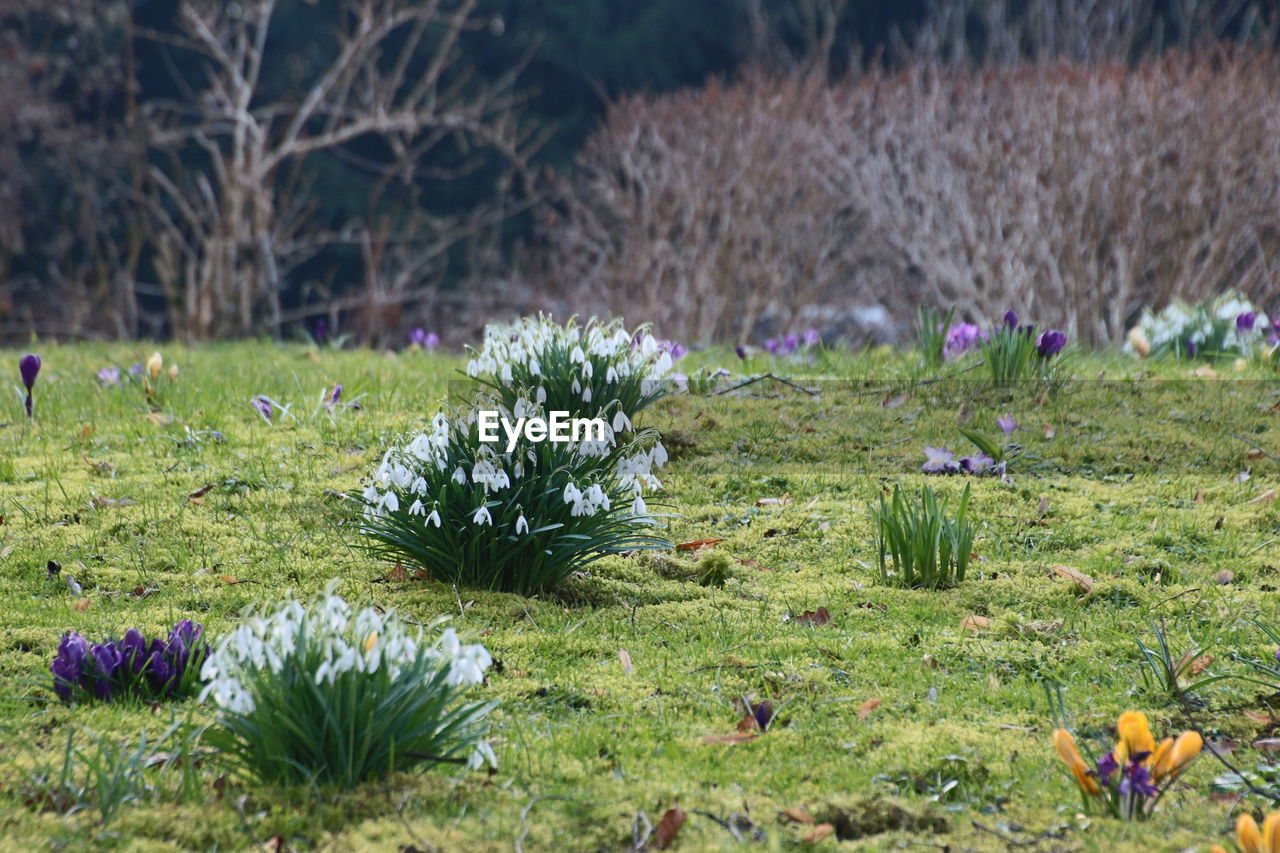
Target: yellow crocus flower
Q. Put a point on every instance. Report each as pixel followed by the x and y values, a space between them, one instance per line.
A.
pixel 1135 735
pixel 1066 746
pixel 155 364
pixel 1161 760
pixel 1248 836
pixel 1271 833
pixel 1185 749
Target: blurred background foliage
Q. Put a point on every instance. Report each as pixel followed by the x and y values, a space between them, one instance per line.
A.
pixel 108 102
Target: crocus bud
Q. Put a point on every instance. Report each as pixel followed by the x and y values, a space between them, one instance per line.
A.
pixel 1139 342
pixel 173 373
pixel 29 367
pixel 155 364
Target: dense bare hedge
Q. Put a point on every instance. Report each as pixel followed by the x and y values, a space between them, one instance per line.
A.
pixel 1075 193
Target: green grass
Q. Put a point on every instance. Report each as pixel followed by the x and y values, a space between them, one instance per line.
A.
pixel 962 729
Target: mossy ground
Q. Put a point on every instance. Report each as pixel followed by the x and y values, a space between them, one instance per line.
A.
pixel 100 483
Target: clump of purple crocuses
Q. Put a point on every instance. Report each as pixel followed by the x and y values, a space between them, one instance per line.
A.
pixel 420 337
pixel 791 343
pixel 940 460
pixel 29 368
pixel 961 338
pixel 130 668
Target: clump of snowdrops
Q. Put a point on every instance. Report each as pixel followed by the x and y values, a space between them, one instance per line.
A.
pixel 316 695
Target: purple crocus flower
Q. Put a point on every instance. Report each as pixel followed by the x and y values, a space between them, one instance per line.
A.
pixel 961 337
pixel 262 404
pixel 1106 766
pixel 320 331
pixel 1137 780
pixel 421 337
pixel 29 367
pixel 979 463
pixel 1011 320
pixel 741 351
pixel 1245 322
pixel 675 350
pixel 790 343
pixel 1007 424
pixel 1050 343
pixel 109 376
pixel 939 460
pixel 334 396
pixel 136 369
pixel 133 649
pixel 107 658
pixel 771 346
pixel 1192 346
pixel 68 665
pixel 812 338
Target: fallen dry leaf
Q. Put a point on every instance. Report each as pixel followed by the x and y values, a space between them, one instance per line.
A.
pixel 398 574
pixel 975 623
pixel 81 604
pixel 228 579
pixel 1270 744
pixel 782 501
pixel 797 815
pixel 1043 509
pixel 865 710
pixel 821 832
pixel 1205 372
pixel 197 496
pixel 699 543
pixel 624 657
pixel 669 827
pixel 894 401
pixel 1200 664
pixel 1199 498
pixel 1077 577
pixel 1254 453
pixel 1049 431
pixel 1259 717
pixel 1269 496
pixel 1223 577
pixel 817 618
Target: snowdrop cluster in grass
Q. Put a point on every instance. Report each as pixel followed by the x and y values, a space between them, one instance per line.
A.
pixel 1228 325
pixel 315 693
pixel 468 512
pixel 596 369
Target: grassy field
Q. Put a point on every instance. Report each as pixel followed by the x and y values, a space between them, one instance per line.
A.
pixel 896 722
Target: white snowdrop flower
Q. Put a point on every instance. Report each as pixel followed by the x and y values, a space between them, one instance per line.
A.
pixel 586 395
pixel 658 455
pixel 417 508
pixel 473 368
pixel 576 387
pixel 541 396
pixel 433 518
pixel 638 506
pixel 571 493
pixel 460 476
pixel 577 356
pixel 522 526
pixel 506 372
pixel 482 516
pixel 621 423
pixel 534 367
pixel 588 370
pixel 482 755
pixel 611 375
pixel 420 486
pixel 390 502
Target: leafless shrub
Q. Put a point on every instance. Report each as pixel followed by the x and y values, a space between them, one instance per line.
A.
pixel 229 195
pixel 1075 192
